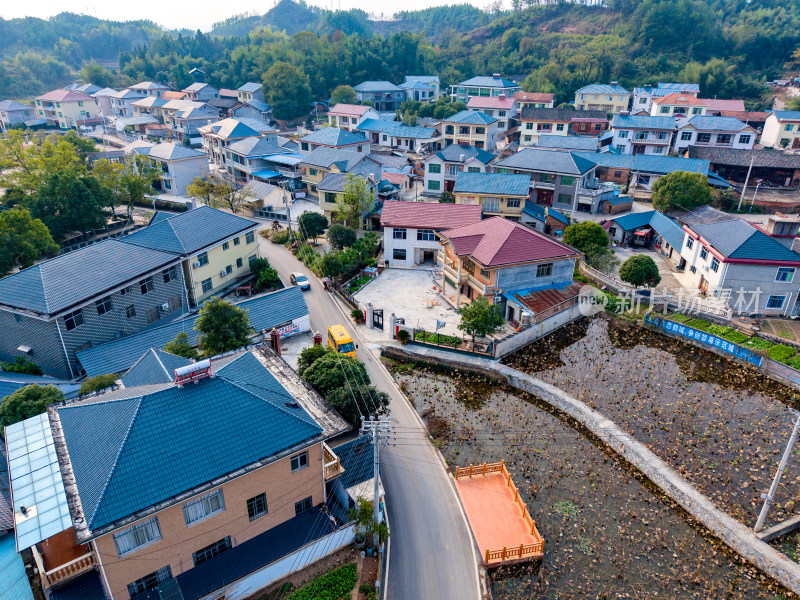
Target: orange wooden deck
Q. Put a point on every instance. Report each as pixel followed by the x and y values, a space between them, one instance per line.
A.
pixel 499 519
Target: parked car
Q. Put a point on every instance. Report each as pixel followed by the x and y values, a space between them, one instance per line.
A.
pixel 300 280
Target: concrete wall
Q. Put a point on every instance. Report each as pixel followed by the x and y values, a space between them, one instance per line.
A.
pixel 178 541
pixel 181 173
pixel 412 246
pixel 218 261
pixel 524 276
pixel 39 335
pixel 528 336
pixel 758 277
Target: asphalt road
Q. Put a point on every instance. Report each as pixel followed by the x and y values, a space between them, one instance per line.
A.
pixel 431 555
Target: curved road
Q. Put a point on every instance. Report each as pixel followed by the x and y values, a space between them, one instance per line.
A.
pixel 431 555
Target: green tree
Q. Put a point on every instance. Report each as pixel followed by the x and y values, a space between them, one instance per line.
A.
pixel 334 371
pixel 21 364
pixel 181 346
pixel 331 264
pixel 91 72
pixel 97 383
pixel 352 402
pixel 640 269
pixel 217 191
pixel 27 165
pixel 223 327
pixel 288 91
pixel 447 198
pixel 340 236
pixel 129 182
pixel 27 402
pixel 479 318
pixel 82 144
pixel 23 240
pixel 67 202
pixel 309 356
pixel 343 94
pixel 587 237
pixel 355 202
pixel 681 190
pixel 312 224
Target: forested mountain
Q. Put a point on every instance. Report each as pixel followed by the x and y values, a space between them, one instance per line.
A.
pixel 730 47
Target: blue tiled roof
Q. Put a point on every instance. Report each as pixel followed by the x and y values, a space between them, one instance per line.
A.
pixel 668 229
pixel 552 212
pixel 602 88
pixel 155 366
pixel 264 312
pixel 642 122
pixel 86 587
pixel 791 115
pixel 377 86
pixel 665 89
pixel 736 238
pixel 492 183
pixel 129 453
pixel 75 277
pixel 11 382
pixel 537 211
pixel 707 123
pixel 567 142
pixel 550 161
pixel 633 221
pixel 471 117
pixel 617 200
pixel 333 136
pixel 356 458
pixel 396 129
pixel 488 82
pixel 647 163
pixel 453 153
pixel 189 232
pixel 159 215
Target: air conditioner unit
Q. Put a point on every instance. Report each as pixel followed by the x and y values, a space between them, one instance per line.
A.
pixel 165 306
pixel 195 265
pixel 223 274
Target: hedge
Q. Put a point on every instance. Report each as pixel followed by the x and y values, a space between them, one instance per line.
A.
pixel 333 585
pixel 443 340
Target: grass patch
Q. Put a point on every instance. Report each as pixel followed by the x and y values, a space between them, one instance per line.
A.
pixel 333 585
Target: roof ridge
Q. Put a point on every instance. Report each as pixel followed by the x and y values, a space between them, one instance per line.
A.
pixel 180 241
pixel 116 459
pixel 160 362
pixel 282 409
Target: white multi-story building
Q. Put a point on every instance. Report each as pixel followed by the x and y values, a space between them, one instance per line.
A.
pixel 782 129
pixel 678 105
pixel 716 132
pixel 643 96
pixel 502 107
pixel 635 134
pixel 442 168
pixel 350 116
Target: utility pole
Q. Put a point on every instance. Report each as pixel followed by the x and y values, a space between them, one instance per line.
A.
pixel 771 493
pixel 288 211
pixel 746 179
pixel 379 430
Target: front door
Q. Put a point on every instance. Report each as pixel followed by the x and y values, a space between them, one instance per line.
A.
pixel 377 318
pixel 796 143
pixel 544 197
pixel 703 284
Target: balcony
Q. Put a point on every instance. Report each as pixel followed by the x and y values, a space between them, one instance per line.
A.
pixel 451 272
pixel 655 141
pixel 62 573
pixel 332 464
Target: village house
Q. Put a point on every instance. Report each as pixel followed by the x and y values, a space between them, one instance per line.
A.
pixel 255 109
pixel 715 106
pixel 589 122
pixel 201 92
pixel 188 122
pixel 543 218
pixel 497 194
pixel 15 113
pixel 678 105
pixel 641 171
pixel 496 85
pixel 739 263
pixel 647 229
pixel 122 103
pixel 384 95
pixel 256 158
pixel 643 96
pixel 442 168
pixel 216 137
pixel 782 130
pixel 179 166
pixel 149 106
pixel 249 91
pixel 149 88
pixel 392 134
pixel 409 229
pixel 503 107
pixel 84 88
pixel 133 520
pixel 422 88
pixel 103 101
pixel 470 128
pixel 779 169
pixel 350 116
pixel 322 161
pixel 512 266
pixel 634 134
pixel 535 122
pixel 611 98
pixel 533 100
pixel 332 188
pixel 567 142
pixel 332 137
pixel 720 132
pixel 266 197
pixel 66 109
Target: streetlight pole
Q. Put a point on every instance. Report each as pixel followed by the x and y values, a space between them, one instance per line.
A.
pixel 746 180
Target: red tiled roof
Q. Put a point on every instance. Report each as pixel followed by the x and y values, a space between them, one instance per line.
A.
pixel 490 102
pixel 533 97
pixel 496 242
pixel 744 115
pixel 65 96
pixel 714 104
pixel 348 109
pixel 541 300
pixel 678 98
pixel 226 93
pixel 428 215
pixel 173 95
pixel 395 178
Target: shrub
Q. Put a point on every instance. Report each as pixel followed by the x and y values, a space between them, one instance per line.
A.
pixel 97 383
pixel 181 346
pixel 280 237
pixel 309 356
pixel 27 402
pixel 403 336
pixel 737 337
pixel 781 352
pixel 333 585
pixel 758 343
pixel 442 340
pixel 698 323
pixel 358 315
pixel 21 365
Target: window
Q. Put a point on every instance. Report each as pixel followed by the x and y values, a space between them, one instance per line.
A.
pixel 229 269
pixel 564 199
pixel 744 139
pixel 211 551
pixel 545 127
pixel 785 274
pixel 617 174
pixel 693 269
pixel 642 100
pixel 148 582
pixel 504 171
pixel 501 113
pixel 302 506
pixel 658 150
pixel 567 180
pixel 473 169
pixel 250 238
pixel 225 245
pixel 544 269
pixel 724 138
pixel 528 125
pixel 686 136
pixel 665 110
pixel 239 263
pixel 703 138
pixel 202 258
pixel 546 178
pixel 697 111
pixel 704 253
pixel 204 506
pixel 73 319
pixel 304 146
pixel 236 241
pixel 689 242
pixel 434 168
pixel 715 264
pixel 104 305
pixel 775 301
pixel 206 285
pixel 434 185
pixel 310 170
pixel 152 315
pixel 485 274
pixel 789 127
pixel 130 311
pixel 426 235
pixel 559 127
pixel 300 461
pixel 170 274
pixel 512 203
pixel 622 134
pixel 257 506
pixel 137 536
pixel 398 254
pixel 527 138
pixel 398 233
pixel 146 285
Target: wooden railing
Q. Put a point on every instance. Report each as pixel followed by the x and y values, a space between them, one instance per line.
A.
pixel 523 551
pixel 332 463
pixel 63 572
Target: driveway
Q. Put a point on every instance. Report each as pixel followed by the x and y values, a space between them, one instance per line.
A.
pixel 669 282
pixel 432 555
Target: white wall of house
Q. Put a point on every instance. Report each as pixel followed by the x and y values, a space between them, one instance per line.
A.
pixel 687 136
pixel 447 172
pixel 180 174
pixel 771 293
pixel 403 247
pixel 775 131
pixel 623 140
